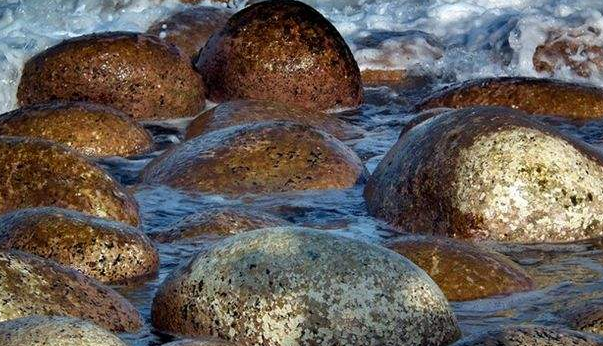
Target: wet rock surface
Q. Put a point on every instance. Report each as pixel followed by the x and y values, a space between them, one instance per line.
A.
pixel 31 285
pixel 201 342
pixel 111 252
pixel 533 336
pixel 281 51
pixel 502 177
pixel 37 173
pixel 282 286
pixel 54 331
pixel 258 158
pixel 135 73
pixel 462 271
pixel 585 316
pixel 91 129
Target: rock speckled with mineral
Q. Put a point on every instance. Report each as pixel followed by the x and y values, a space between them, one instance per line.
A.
pixel 39 173
pixel 109 251
pixel 492 173
pixel 532 336
pixel 296 286
pixel 531 95
pixel 91 129
pixel 31 285
pixel 281 51
pixel 135 73
pixel 54 331
pixel 258 158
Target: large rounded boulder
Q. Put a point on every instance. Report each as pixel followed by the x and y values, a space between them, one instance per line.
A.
pixel 531 95
pixel 296 286
pixel 31 285
pixel 54 331
pixel 532 335
pixel 258 158
pixel 135 73
pixel 109 251
pixel 91 129
pixel 490 173
pixel 38 173
pixel 281 51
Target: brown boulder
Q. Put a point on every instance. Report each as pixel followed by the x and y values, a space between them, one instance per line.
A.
pixel 135 73
pixel 108 251
pixel 258 158
pixel 90 129
pixel 531 335
pixel 281 51
pixel 37 173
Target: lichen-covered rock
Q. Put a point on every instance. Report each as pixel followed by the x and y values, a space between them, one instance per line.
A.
pixel 38 173
pixel 249 111
pixel 91 129
pixel 462 271
pixel 532 336
pixel 492 173
pixel 296 286
pixel 190 29
pixel 258 158
pixel 201 342
pixel 281 50
pixel 585 316
pixel 54 331
pixel 31 285
pixel 135 73
pixel 217 222
pixel 109 251
pixel 531 95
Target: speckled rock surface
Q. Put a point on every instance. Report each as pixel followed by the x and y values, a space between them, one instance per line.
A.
pixel 462 271
pixel 136 73
pixel 296 286
pixel 531 95
pixel 532 336
pixel 54 331
pixel 31 285
pixel 258 158
pixel 190 29
pixel 281 50
pixel 200 342
pixel 90 129
pixel 36 173
pixel 502 176
pixel 586 316
pixel 249 111
pixel 216 223
pixel 109 251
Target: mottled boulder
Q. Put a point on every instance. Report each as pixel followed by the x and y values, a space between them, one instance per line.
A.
pixel 258 158
pixel 37 173
pixel 109 251
pixel 54 331
pixel 136 73
pixel 190 29
pixel 91 129
pixel 216 223
pixel 250 111
pixel 281 51
pixel 296 286
pixel 532 336
pixel 31 285
pixel 531 95
pixel 462 271
pixel 200 342
pixel 492 173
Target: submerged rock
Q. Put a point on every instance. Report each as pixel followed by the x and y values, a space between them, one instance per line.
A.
pixel 281 51
pixel 490 173
pixel 31 285
pixel 90 129
pixel 201 342
pixel 250 111
pixel 586 316
pixel 294 286
pixel 54 331
pixel 37 173
pixel 258 158
pixel 533 336
pixel 133 72
pixel 531 95
pixel 111 252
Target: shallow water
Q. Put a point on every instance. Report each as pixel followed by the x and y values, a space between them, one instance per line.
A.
pixel 477 38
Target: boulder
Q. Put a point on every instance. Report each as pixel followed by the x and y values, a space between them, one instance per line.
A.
pixel 531 335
